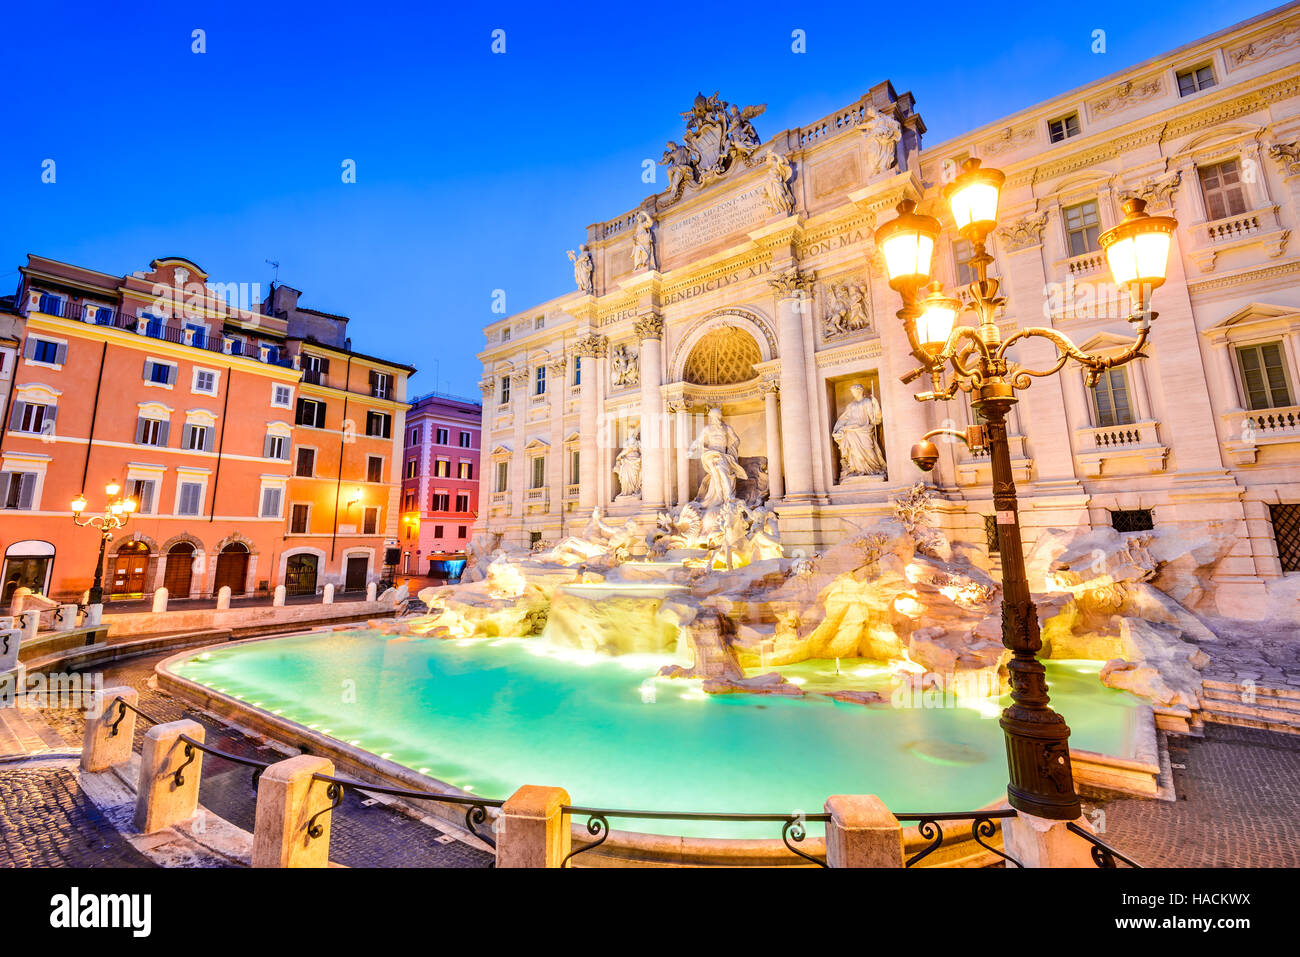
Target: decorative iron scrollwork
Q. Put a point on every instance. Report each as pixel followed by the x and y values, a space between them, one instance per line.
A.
pixel 334 791
pixel 597 827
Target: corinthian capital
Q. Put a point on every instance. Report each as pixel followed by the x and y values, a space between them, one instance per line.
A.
pixel 791 284
pixel 649 326
pixel 593 345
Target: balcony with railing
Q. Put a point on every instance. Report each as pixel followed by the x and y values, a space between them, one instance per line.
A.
pixel 1258 233
pixel 1125 448
pixel 1248 431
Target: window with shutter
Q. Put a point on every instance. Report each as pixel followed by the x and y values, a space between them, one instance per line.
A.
pixel 306 464
pixel 16 489
pixel 370 523
pixel 374 468
pixel 142 492
pixel 271 502
pixel 1111 399
pixel 298 520
pixel 190 498
pixel 1263 376
pixel 1222 189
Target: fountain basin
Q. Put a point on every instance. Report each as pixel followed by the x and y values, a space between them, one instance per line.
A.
pixel 486 716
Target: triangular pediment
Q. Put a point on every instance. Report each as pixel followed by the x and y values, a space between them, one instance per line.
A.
pixel 1252 313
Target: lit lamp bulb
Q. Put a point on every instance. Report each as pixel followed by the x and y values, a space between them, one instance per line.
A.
pixel 938 316
pixel 907 245
pixel 116 508
pixel 973 199
pixel 129 505
pixel 1137 251
pixel 78 504
pixel 112 488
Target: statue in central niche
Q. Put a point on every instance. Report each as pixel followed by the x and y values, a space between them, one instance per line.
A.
pixel 717 447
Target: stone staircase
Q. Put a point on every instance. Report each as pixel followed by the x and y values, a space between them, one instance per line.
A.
pixel 1231 702
pixel 24 734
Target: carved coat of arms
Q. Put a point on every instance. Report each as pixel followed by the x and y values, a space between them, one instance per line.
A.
pixel 718 136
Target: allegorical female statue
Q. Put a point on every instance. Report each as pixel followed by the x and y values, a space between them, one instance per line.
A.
pixel 627 465
pixel 855 434
pixel 582 268
pixel 716 447
pixel 643 244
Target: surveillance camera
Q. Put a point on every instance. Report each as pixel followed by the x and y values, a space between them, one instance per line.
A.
pixel 925 455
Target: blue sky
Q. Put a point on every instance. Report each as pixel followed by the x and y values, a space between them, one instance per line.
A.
pixel 475 171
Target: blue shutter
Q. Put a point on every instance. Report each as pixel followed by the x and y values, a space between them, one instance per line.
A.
pixel 208 437
pixel 27 489
pixel 164 429
pixel 16 416
pixel 139 430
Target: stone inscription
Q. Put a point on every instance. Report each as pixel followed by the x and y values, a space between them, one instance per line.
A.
pixel 741 212
pixel 717 282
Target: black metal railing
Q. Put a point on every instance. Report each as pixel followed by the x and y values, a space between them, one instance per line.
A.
pixel 930 827
pixel 476 808
pixel 1103 855
pixel 793 830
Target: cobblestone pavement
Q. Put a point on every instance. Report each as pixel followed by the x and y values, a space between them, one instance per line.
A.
pixel 1238 804
pixel 1259 651
pixel 45 821
pixel 375 836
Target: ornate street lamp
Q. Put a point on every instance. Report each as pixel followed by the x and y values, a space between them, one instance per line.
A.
pixel 116 514
pixel 1137 250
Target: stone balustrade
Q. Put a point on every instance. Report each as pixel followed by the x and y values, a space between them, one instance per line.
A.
pixel 1248 431
pixel 1132 447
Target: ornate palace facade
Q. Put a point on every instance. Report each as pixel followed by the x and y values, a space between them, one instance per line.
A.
pixel 752 284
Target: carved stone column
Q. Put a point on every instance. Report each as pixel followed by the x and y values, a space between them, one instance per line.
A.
pixel 793 305
pixel 680 411
pixel 650 330
pixel 588 349
pixel 775 474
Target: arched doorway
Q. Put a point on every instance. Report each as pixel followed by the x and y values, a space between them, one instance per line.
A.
pixel 300 574
pixel 232 568
pixel 130 565
pixel 178 574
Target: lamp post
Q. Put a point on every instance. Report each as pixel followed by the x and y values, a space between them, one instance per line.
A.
pixel 1137 250
pixel 116 514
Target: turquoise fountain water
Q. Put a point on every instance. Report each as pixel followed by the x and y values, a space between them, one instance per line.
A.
pixel 491 715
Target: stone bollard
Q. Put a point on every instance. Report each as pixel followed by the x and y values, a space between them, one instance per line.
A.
pixel 223 598
pixel 6 622
pixel 94 615
pixel 372 591
pixel 287 799
pixel 862 833
pixel 65 618
pixel 278 600
pixel 101 748
pixel 532 831
pixel 29 623
pixel 1038 842
pixel 13 676
pixel 159 801
pixel 160 601
pixel 328 597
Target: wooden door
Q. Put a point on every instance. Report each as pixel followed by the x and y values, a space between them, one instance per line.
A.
pixel 178 574
pixel 356 574
pixel 129 568
pixel 232 569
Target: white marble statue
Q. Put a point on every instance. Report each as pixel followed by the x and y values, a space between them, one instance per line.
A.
pixel 680 161
pixel 778 196
pixel 716 447
pixel 643 243
pixel 582 268
pixel 883 134
pixel 625 366
pixel 627 465
pixel 855 434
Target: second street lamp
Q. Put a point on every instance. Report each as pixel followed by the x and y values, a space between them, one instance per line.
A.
pixel 974 360
pixel 116 514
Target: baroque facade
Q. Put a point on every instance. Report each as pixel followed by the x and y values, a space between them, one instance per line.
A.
pixel 752 285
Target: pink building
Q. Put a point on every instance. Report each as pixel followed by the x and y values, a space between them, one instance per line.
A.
pixel 440 473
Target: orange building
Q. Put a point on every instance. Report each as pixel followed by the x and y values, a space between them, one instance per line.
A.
pixel 191 395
